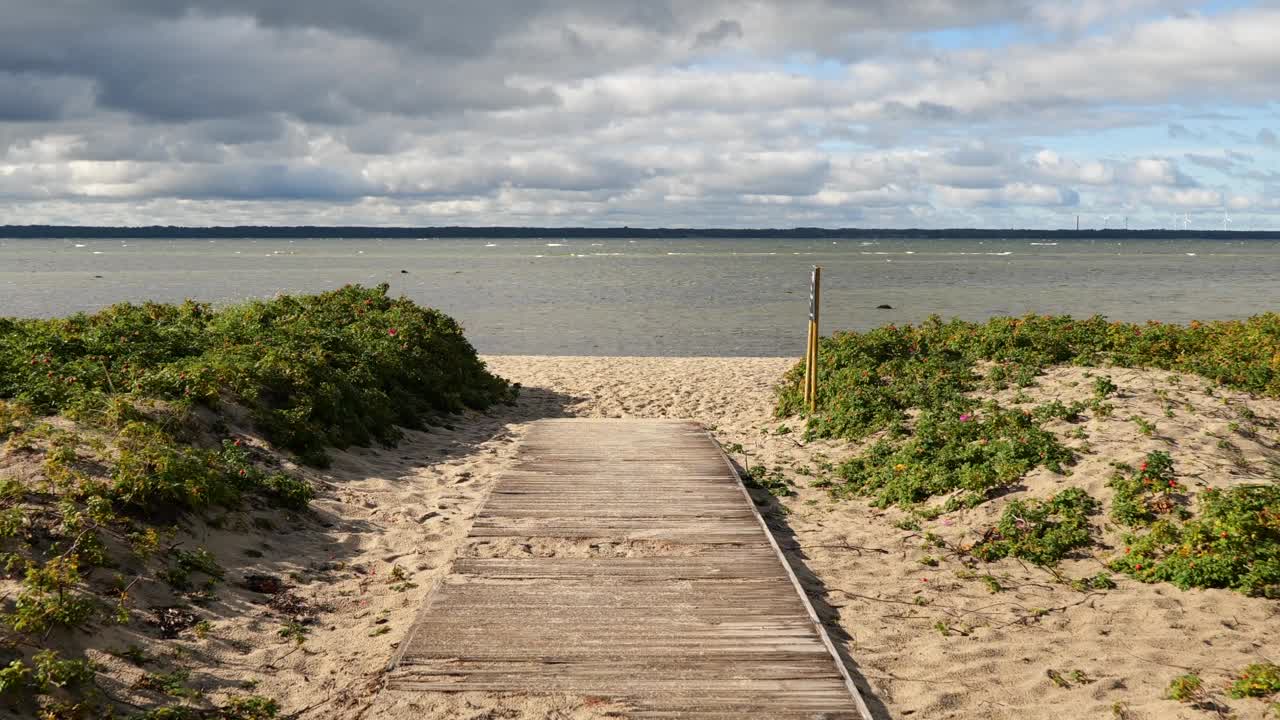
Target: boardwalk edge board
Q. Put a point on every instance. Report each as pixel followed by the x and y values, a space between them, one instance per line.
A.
pixel 818 627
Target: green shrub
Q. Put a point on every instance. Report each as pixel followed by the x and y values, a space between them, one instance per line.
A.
pixel 171 683
pixel 1144 493
pixel 1257 680
pixel 1056 410
pixel 334 369
pixel 1186 688
pixel 52 671
pixel 891 367
pixel 50 598
pixel 1234 543
pixel 958 447
pixel 14 418
pixel 15 678
pixel 153 471
pixel 774 481
pixel 250 707
pixel 1042 532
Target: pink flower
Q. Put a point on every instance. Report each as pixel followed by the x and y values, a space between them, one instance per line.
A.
pixel 966 417
pixel 391 332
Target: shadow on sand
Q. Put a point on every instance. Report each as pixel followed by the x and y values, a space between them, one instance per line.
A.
pixel 272 560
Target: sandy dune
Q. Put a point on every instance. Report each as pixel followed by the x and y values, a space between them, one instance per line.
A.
pixel 927 641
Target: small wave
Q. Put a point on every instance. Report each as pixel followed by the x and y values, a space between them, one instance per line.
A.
pixel 537 256
pixel 491 244
pixel 1190 254
pixel 98 252
pixel 909 252
pixel 1044 243
pixel 79 245
pixel 555 244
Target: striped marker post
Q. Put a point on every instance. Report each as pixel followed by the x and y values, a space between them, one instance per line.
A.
pixel 811 349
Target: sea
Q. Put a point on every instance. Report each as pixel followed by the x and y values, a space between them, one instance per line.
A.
pixel 695 297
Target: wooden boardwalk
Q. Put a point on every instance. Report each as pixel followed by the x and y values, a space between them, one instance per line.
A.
pixel 703 619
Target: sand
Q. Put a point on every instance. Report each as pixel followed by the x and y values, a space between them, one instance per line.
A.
pixel 388 522
pixel 883 606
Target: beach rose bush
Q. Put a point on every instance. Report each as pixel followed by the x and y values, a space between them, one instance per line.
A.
pixel 121 422
pixel 1233 543
pixel 316 371
pixel 907 392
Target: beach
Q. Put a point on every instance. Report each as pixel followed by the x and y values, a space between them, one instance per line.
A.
pixel 441 361
pixel 883 605
pixel 388 522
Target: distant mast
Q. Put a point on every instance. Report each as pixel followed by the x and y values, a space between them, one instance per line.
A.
pixel 1077 223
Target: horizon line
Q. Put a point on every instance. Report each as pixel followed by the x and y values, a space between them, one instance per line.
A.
pixel 528 231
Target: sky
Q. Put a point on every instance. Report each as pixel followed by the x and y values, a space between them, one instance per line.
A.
pixel 641 113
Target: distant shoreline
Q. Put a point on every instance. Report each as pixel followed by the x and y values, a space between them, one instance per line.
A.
pixel 19 232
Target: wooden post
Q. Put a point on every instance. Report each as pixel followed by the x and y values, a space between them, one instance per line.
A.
pixel 811 347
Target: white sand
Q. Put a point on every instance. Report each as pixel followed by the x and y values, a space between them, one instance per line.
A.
pixel 410 507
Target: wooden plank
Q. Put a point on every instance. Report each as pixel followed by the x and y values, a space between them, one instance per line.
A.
pixel 624 559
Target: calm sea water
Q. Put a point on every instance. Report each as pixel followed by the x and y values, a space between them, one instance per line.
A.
pixel 664 297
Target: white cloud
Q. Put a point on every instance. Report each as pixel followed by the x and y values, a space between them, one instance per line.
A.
pixel 628 112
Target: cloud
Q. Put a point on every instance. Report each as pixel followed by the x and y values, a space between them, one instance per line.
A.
pixel 1214 162
pixel 718 34
pixel 629 112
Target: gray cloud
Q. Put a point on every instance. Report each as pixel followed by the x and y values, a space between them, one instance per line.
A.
pixel 1223 164
pixel 639 112
pixel 717 34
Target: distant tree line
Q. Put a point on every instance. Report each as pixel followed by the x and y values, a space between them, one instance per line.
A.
pixel 306 231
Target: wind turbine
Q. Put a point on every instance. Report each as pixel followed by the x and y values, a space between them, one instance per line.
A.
pixel 1226 219
pixel 1186 221
pixel 1105 218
